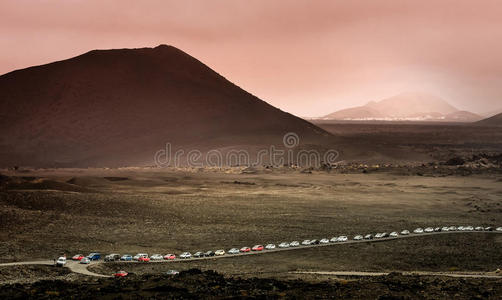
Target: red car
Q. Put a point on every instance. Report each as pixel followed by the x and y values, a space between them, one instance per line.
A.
pixel 169 256
pixel 144 259
pixel 245 249
pixel 120 274
pixel 257 248
pixel 77 257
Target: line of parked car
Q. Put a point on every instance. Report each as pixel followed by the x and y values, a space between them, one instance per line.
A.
pixel 144 257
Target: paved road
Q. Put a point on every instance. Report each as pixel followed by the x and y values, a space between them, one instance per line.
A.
pixel 323 245
pixel 82 269
pixel 72 265
pixel 36 262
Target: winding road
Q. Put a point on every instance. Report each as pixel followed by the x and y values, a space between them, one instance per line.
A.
pixel 76 267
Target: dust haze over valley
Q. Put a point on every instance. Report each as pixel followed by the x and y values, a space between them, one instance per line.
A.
pixel 165 146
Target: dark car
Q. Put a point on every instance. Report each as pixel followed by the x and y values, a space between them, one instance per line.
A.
pixel 94 256
pixel 198 254
pixel 209 253
pixel 314 242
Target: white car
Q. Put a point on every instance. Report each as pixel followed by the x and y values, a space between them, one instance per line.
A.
pixel 324 241
pixel 233 251
pixel 358 237
pixel 429 229
pixel 343 238
pixel 452 228
pixel 479 228
pixel 85 261
pixel 334 239
pixel 157 257
pixel 284 245
pixel 306 242
pixel 393 234
pixel 460 228
pixel 186 255
pixel 172 272
pixel 368 237
pixel 445 229
pixel 270 246
pixel 219 252
pixel 418 230
pixel 405 232
pixel 468 228
pixel 61 261
pixel 378 235
pixel 137 256
pixel 498 229
pixel 294 244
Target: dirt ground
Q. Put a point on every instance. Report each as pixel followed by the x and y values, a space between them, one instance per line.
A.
pixel 47 212
pixel 380 142
pixel 33 273
pixel 194 284
pixel 428 253
pixel 165 211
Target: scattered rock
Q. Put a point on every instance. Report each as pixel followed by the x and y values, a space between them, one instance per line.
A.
pixel 194 283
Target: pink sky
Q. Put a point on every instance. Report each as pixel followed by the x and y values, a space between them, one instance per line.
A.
pixel 308 57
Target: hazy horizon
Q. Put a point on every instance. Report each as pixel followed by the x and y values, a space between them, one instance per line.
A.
pixel 306 59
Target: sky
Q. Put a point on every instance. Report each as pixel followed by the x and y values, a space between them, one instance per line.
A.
pixel 309 58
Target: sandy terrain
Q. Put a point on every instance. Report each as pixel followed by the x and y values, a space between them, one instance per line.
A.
pixel 172 211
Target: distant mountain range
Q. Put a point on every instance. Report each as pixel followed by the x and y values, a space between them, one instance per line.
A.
pixel 405 107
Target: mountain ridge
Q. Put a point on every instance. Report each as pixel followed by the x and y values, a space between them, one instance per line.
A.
pixel 118 106
pixel 405 106
pixel 495 120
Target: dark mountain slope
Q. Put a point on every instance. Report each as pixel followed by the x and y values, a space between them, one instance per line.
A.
pixel 491 121
pixel 117 107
